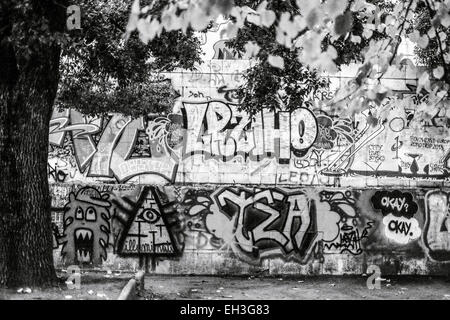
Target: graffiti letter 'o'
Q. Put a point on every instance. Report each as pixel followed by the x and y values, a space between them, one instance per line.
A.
pixel 303 129
pixel 393 225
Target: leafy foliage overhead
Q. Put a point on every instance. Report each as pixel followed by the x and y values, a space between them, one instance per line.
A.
pixel 313 31
pixel 435 55
pixel 279 79
pixel 102 71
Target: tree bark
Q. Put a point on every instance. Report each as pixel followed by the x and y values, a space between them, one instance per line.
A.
pixel 28 86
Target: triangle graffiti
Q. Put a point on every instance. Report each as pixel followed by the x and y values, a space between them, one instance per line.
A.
pixel 148 233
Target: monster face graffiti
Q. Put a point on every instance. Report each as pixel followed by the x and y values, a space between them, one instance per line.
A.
pixel 86 227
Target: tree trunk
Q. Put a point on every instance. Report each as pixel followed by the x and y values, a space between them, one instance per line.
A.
pixel 27 92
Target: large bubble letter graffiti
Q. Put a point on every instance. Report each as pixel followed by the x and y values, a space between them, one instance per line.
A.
pixel 264 223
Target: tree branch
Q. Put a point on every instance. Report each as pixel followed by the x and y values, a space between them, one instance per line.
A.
pixel 397 45
pixel 402 27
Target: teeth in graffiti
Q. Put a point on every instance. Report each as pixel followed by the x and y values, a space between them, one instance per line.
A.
pixel 83 255
pixel 84 244
pixel 83 234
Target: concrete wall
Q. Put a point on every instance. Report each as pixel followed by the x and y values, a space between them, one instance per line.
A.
pixel 212 142
pixel 236 230
pixel 209 190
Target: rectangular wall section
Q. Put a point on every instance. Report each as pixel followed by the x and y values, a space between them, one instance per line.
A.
pixel 245 230
pixel 211 141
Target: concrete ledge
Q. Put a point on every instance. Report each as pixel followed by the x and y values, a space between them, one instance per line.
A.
pixel 140 282
pixel 134 287
pixel 129 291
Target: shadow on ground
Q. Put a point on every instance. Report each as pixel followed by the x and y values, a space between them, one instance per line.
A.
pixel 93 286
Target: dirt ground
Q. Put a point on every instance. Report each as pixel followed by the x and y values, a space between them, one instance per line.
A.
pixel 93 286
pixel 307 288
pixel 107 286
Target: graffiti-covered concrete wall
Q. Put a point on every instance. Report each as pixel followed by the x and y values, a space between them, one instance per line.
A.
pixel 235 230
pixel 213 142
pixel 208 189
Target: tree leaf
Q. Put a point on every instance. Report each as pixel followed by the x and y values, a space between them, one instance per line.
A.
pixel 335 7
pixel 251 49
pixel 343 23
pixel 268 18
pixel 355 39
pixel 134 17
pixel 255 19
pixel 312 18
pixel 438 72
pixel 275 61
pixel 445 20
